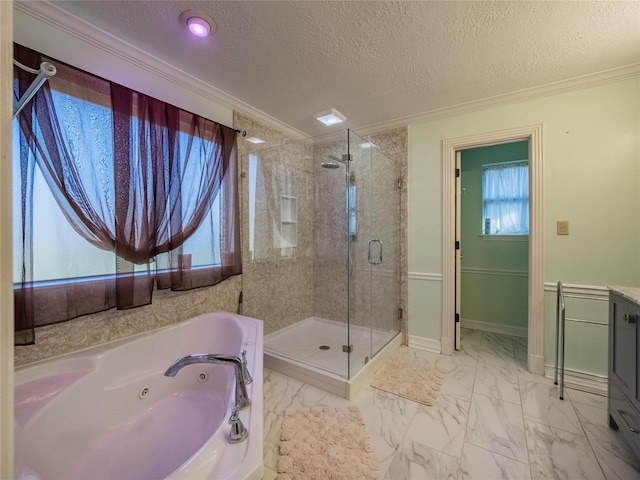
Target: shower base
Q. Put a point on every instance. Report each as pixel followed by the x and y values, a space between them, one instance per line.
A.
pixel 300 351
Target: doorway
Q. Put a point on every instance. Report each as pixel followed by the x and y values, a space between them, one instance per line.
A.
pixel 535 309
pixel 492 236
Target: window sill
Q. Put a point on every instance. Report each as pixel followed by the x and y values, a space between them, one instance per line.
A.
pixel 105 277
pixel 505 238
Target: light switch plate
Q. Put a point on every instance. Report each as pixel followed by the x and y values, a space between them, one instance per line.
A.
pixel 562 227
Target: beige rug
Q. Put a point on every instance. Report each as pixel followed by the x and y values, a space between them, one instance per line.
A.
pixel 415 380
pixel 325 443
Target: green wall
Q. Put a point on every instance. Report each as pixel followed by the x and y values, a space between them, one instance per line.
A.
pixel 494 268
pixel 590 176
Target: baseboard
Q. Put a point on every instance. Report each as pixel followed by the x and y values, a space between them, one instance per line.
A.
pixel 494 327
pixel 585 381
pixel 422 343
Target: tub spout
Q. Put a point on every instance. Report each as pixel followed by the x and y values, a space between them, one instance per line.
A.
pixel 242 398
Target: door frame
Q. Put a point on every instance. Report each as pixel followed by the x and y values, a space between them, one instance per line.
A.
pixel 458 251
pixel 6 254
pixel 533 134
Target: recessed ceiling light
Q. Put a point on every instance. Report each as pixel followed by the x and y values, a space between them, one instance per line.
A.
pixel 367 145
pixel 199 24
pixel 255 140
pixel 330 117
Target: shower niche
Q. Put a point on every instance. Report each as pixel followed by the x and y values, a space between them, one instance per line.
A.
pixel 321 257
pixel 288 232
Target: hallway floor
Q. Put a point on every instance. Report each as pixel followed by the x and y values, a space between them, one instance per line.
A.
pixel 492 420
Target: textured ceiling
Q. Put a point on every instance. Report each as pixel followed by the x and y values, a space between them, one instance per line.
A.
pixel 376 61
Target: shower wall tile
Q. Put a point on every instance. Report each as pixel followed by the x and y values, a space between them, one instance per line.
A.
pixel 278 292
pixel 272 136
pixel 277 281
pixel 330 234
pixel 167 308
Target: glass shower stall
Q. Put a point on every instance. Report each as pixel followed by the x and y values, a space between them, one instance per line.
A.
pixel 321 251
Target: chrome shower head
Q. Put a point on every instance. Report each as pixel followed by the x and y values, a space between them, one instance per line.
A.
pixel 330 164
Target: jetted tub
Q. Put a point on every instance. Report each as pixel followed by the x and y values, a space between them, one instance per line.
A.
pixel 108 412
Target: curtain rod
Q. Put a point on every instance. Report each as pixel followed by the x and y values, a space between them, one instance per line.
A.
pixel 45 72
pixel 506 164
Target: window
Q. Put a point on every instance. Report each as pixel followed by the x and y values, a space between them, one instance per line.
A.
pixel 114 192
pixel 60 252
pixel 505 198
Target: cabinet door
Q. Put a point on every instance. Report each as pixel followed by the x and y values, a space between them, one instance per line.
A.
pixel 633 318
pixel 624 338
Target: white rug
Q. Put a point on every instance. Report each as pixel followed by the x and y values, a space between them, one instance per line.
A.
pixel 325 443
pixel 418 381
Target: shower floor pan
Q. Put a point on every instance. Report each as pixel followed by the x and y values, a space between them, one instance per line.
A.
pixel 300 351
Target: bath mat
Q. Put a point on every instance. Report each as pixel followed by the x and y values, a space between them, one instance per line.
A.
pixel 418 381
pixel 325 443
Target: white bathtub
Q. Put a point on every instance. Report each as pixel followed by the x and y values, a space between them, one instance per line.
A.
pixel 109 412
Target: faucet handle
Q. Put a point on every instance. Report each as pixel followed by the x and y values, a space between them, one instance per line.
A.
pixel 239 432
pixel 245 371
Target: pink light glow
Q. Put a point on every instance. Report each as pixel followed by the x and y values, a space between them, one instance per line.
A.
pixel 198 27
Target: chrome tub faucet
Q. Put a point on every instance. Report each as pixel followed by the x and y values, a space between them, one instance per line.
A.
pixel 245 371
pixel 241 396
pixel 239 432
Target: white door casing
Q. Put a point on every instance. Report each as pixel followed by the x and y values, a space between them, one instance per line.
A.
pixel 458 251
pixel 533 134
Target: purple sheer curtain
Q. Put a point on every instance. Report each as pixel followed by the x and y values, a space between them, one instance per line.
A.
pixel 141 211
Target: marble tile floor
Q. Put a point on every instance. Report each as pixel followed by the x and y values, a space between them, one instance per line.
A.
pixel 493 420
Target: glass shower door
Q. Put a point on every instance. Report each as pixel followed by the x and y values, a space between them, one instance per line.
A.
pixel 384 250
pixel 374 251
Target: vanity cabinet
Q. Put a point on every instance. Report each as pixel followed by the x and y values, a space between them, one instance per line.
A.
pixel 624 363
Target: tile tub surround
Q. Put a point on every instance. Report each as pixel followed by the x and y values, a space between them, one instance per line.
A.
pixel 168 307
pixel 478 429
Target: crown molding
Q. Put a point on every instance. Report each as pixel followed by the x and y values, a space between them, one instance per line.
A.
pixel 60 19
pixel 563 86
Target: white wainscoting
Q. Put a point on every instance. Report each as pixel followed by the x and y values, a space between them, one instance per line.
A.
pixel 494 271
pixel 590 292
pixel 430 277
pixel 422 343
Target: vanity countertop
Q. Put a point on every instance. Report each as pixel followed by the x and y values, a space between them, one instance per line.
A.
pixel 630 293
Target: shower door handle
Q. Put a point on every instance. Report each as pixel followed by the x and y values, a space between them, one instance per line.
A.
pixel 371 260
